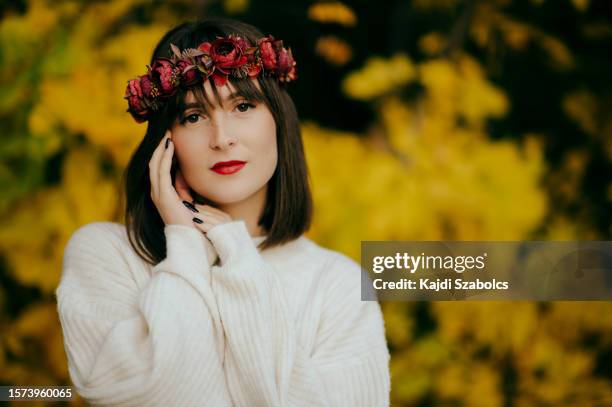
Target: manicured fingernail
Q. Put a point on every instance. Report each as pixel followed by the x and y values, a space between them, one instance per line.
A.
pixel 167 141
pixel 196 220
pixel 190 206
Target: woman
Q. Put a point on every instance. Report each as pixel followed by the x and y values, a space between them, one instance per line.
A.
pixel 211 294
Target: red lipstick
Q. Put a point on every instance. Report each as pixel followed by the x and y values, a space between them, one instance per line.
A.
pixel 228 167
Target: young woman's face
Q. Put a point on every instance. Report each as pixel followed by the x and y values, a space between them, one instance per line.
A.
pixel 240 130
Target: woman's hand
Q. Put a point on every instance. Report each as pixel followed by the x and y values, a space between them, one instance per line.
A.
pixel 208 215
pixel 166 199
pixel 176 205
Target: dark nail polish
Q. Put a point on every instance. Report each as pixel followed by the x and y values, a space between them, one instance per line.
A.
pixel 196 220
pixel 167 141
pixel 190 206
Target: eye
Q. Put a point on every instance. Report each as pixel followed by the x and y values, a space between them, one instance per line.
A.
pixel 191 118
pixel 244 106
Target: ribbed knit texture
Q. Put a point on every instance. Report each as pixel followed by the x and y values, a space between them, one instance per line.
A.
pixel 280 327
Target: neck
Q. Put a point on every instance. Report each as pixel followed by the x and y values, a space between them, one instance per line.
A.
pixel 249 210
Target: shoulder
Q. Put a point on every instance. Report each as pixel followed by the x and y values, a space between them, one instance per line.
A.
pixel 336 262
pixel 308 259
pixel 100 271
pixel 99 250
pixel 337 270
pixel 312 252
pixel 99 240
pixel 106 234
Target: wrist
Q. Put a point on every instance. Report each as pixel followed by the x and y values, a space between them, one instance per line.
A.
pixel 232 239
pixel 187 242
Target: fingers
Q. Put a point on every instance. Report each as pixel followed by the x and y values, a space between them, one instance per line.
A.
pixel 154 165
pixel 210 217
pixel 215 212
pixel 205 222
pixel 165 178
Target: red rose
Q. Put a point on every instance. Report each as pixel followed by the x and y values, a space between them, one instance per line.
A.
pixel 136 104
pixel 240 42
pixel 226 54
pixel 286 65
pixel 147 87
pixel 268 56
pixel 133 88
pixel 277 59
pixel 165 74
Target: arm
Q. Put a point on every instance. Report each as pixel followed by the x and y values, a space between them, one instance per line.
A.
pixel 265 363
pixel 157 342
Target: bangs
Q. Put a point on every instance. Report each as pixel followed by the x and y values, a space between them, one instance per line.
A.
pixel 245 88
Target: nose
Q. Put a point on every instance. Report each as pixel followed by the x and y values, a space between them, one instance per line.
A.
pixel 220 137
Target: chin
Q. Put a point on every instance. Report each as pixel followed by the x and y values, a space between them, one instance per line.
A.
pixel 227 196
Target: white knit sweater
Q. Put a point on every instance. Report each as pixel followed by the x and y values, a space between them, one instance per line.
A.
pixel 280 327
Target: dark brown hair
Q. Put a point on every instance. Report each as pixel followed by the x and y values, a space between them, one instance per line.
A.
pixel 288 210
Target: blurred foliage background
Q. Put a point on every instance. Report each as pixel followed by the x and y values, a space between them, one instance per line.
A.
pixel 422 120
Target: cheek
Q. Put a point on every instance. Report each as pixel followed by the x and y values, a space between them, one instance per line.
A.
pixel 190 154
pixel 181 150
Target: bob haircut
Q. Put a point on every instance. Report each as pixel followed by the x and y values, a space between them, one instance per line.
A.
pixel 287 212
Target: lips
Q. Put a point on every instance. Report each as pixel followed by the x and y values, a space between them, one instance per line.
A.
pixel 228 167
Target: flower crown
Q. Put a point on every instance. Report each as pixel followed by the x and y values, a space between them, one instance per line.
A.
pixel 224 56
